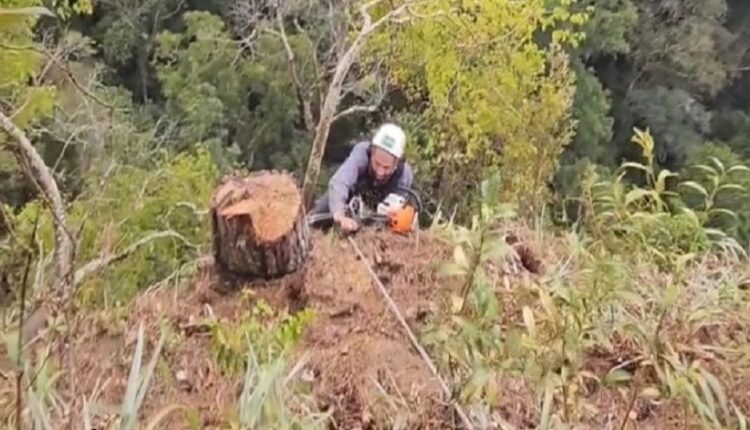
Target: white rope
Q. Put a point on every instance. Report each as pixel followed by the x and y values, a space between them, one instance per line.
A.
pixel 394 308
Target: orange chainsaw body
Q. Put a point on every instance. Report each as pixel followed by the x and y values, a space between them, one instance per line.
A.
pixel 400 215
pixel 402 219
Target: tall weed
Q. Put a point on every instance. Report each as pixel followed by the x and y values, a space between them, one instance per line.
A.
pixel 652 221
pixel 273 396
pixel 622 296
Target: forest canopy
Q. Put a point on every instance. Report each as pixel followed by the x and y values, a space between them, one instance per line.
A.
pixel 535 89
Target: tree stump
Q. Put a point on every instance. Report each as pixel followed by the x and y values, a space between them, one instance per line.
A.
pixel 259 227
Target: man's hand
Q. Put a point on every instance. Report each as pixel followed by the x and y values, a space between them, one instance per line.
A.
pixel 347 224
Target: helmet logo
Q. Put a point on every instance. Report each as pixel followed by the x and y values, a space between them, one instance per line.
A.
pixel 388 141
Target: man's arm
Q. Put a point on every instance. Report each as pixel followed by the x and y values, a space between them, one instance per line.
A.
pixel 345 178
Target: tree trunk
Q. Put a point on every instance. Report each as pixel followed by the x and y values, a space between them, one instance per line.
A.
pixel 328 112
pixel 259 227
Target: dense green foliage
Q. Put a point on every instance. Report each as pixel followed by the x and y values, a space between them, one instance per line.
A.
pixel 496 98
pixel 627 122
pixel 219 77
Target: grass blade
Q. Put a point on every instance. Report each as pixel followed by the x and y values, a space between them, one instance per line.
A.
pixel 127 414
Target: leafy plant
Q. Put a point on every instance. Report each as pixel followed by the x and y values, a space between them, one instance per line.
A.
pixel 271 333
pixel 15 16
pixel 38 382
pixel 472 83
pixel 138 383
pixel 651 219
pixel 470 341
pixel 608 298
pixel 207 84
pixel 131 204
pixel 716 186
pixel 479 243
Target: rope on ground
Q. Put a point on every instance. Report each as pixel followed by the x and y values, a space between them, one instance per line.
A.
pixel 394 308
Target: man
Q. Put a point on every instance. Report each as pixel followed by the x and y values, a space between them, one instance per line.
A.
pixel 372 170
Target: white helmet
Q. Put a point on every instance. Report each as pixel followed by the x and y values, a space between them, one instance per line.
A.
pixel 391 138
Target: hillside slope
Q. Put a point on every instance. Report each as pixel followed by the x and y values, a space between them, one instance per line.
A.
pixel 352 340
pixel 359 367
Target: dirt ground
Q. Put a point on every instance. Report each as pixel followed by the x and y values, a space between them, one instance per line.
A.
pixel 356 348
pixel 357 344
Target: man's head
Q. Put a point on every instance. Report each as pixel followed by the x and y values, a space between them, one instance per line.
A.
pixel 387 150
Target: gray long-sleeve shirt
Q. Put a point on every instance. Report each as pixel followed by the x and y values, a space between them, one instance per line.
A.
pixel 348 174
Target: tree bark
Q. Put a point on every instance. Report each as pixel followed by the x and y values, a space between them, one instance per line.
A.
pixel 259 227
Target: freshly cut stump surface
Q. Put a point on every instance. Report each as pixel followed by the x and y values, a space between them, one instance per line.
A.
pixel 259 225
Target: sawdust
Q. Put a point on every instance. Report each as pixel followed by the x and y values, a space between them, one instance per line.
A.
pixel 357 346
pixel 271 200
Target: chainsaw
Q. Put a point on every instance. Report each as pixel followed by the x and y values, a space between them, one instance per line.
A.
pixel 399 212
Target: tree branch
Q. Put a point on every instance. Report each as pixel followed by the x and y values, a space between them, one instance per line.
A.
pixel 21 321
pixel 314 48
pixel 369 87
pixel 41 176
pixel 356 109
pixel 100 263
pixel 394 15
pixel 54 60
pixel 5 226
pixel 302 98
